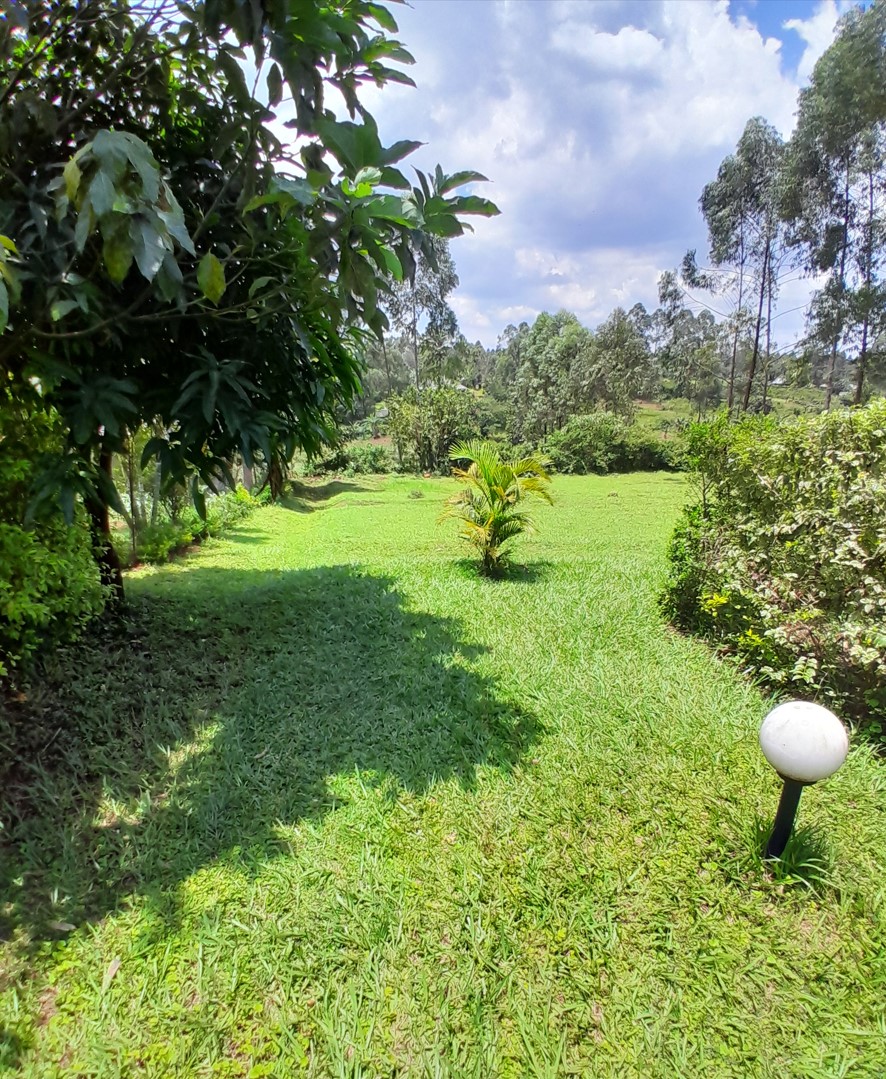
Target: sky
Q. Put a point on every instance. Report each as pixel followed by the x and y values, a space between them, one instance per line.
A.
pixel 598 123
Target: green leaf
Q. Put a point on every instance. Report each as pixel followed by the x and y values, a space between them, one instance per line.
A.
pixel 370 175
pixel 148 248
pixel 117 255
pixel 458 179
pixel 152 449
pixel 391 177
pixel 392 263
pixel 169 278
pixel 143 161
pixel 4 307
pixel 211 278
pixel 61 308
pixel 199 498
pixel 83 227
pixel 393 208
pixel 259 283
pixel 174 220
pixel 102 193
pixel 8 244
pixel 72 175
pixel 383 17
pixel 275 85
pixel 472 204
pixel 398 151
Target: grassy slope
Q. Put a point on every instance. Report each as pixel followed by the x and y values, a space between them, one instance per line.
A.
pixel 342 807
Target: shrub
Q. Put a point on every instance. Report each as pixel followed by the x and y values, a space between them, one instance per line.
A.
pixel 49 588
pixel 49 583
pixel 369 458
pixel 156 542
pixel 424 427
pixel 490 506
pixel 784 559
pixel 602 442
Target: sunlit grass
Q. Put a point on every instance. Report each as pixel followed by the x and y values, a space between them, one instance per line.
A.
pixel 341 808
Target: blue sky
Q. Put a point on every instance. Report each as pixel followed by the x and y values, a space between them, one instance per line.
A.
pixel 598 123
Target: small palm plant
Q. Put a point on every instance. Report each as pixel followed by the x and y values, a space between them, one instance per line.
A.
pixel 490 508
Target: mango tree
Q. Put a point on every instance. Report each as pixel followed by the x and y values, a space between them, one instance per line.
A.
pixel 192 236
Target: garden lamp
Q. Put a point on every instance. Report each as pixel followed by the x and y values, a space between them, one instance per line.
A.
pixel 804 743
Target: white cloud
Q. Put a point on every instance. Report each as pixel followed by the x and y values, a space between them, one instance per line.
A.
pixel 627 51
pixel 817 31
pixel 599 124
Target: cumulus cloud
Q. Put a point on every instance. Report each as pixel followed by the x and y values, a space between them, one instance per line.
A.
pixel 598 123
pixel 817 32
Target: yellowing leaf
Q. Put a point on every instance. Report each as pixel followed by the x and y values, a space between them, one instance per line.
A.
pixel 72 177
pixel 211 277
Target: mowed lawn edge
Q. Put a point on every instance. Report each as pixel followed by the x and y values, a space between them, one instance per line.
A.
pixel 338 807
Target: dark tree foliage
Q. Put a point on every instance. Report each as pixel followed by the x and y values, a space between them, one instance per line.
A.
pixel 167 257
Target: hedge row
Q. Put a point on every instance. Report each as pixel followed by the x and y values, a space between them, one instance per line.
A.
pixel 783 560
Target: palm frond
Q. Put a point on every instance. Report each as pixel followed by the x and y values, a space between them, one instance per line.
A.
pixel 495 487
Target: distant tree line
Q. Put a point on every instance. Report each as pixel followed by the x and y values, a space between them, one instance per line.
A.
pixel 776 211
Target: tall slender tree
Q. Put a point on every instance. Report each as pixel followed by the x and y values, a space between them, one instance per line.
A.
pixel 835 187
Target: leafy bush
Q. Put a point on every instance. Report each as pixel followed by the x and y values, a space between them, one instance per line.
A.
pixel 602 442
pixel 784 559
pixel 369 458
pixel 354 459
pixel 158 541
pixel 49 588
pixel 49 584
pixel 425 427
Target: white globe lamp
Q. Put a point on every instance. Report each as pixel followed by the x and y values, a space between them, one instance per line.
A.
pixel 804 743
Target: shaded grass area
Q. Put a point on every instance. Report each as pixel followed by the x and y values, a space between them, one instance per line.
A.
pixel 330 805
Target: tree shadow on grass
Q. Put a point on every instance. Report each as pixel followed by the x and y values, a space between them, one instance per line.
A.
pixel 228 707
pixel 246 536
pixel 308 497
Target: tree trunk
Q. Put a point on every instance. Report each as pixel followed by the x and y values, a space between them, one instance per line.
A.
pixel 135 521
pixel 384 352
pixel 248 477
pixel 756 352
pixel 829 393
pixel 868 274
pixel 110 571
pixel 730 395
pixel 766 368
pixel 862 361
pixel 415 341
pixel 829 386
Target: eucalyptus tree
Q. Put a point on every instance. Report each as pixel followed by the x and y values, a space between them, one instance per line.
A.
pixel 422 300
pixel 741 209
pixel 688 349
pixel 835 181
pixel 624 368
pixel 167 256
pixel 556 375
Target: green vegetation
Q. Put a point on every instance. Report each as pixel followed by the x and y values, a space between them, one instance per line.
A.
pixel 166 261
pixel 782 560
pixel 346 810
pixel 49 584
pixel 602 442
pixel 490 507
pixel 156 542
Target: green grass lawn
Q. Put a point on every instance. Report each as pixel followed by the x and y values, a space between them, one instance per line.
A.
pixel 336 807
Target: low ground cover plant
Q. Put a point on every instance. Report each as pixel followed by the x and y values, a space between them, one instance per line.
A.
pixel 783 558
